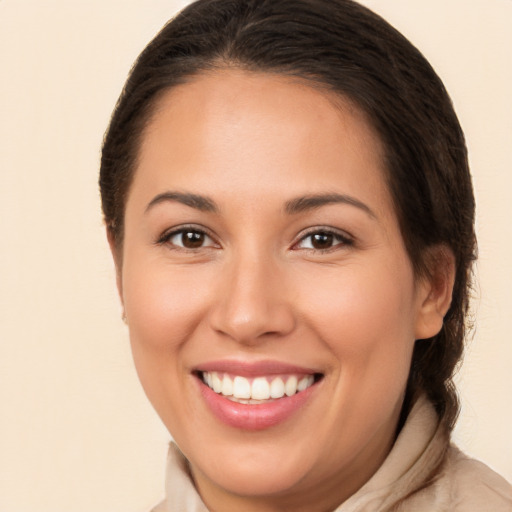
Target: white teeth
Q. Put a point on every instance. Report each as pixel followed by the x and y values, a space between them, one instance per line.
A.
pixel 217 383
pixel 260 389
pixel 290 387
pixel 227 386
pixel 277 388
pixel 305 382
pixel 241 388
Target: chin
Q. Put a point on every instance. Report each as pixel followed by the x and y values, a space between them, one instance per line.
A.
pixel 264 477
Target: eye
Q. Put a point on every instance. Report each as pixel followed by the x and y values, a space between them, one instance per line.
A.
pixel 323 240
pixel 187 238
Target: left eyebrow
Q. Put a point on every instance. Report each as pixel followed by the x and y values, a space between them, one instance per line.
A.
pixel 311 202
pixel 201 203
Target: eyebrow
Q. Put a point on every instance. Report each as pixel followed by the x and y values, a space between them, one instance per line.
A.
pixel 293 206
pixel 311 202
pixel 201 203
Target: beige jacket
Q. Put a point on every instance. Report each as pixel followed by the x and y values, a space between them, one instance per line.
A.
pixel 422 473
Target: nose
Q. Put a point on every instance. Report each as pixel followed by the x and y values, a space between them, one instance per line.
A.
pixel 252 303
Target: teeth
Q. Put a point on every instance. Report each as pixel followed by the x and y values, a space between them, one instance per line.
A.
pixel 217 383
pixel 290 387
pixel 227 386
pixel 277 388
pixel 260 389
pixel 241 388
pixel 305 382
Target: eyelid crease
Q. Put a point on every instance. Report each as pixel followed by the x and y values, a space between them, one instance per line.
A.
pixel 325 229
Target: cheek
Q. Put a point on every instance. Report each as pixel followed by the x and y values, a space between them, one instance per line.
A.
pixel 163 306
pixel 366 317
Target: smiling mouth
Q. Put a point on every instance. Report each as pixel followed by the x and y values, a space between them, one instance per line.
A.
pixel 257 390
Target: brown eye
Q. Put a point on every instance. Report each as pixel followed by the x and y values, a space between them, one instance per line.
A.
pixel 188 239
pixel 322 240
pixel 192 239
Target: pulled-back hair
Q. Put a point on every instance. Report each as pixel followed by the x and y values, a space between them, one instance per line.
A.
pixel 341 45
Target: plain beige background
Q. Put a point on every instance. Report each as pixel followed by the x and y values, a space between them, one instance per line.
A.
pixel 76 432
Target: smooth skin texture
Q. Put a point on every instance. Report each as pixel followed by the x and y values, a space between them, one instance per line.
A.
pixel 252 272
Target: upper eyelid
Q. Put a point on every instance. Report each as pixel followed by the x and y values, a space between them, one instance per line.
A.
pixel 323 229
pixel 170 232
pixel 347 238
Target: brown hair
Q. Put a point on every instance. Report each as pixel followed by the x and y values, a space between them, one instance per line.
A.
pixel 344 46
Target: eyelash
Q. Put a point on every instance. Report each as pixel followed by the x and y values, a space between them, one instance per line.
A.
pixel 342 239
pixel 167 236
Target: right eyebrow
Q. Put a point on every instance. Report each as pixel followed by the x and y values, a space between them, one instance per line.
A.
pixel 201 203
pixel 311 202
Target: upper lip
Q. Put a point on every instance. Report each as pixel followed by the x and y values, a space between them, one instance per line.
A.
pixel 254 368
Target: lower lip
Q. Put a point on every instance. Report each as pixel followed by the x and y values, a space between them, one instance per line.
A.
pixel 254 416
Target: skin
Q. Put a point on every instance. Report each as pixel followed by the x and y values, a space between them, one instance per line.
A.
pixel 257 289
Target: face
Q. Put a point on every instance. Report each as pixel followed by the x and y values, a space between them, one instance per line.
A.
pixel 262 258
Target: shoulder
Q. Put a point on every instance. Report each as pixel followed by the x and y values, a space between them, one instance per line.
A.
pixel 460 484
pixel 474 486
pixel 161 507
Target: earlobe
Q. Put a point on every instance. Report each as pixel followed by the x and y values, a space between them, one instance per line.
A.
pixel 435 292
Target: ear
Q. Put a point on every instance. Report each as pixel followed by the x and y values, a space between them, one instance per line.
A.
pixel 435 292
pixel 115 250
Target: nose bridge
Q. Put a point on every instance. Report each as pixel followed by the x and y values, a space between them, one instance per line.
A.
pixel 253 301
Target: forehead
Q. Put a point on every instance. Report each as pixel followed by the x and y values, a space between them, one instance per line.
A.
pixel 257 130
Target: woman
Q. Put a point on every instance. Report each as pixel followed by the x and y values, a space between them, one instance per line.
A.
pixel 288 202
